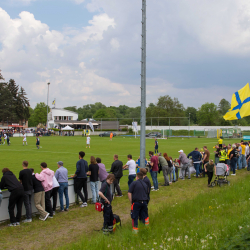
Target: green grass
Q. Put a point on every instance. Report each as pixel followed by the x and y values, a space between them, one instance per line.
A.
pixel 168 220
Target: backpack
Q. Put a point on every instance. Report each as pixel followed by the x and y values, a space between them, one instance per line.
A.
pixel 116 222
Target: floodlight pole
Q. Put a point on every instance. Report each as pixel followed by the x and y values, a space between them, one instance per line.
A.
pixel 188 125
pixel 143 88
pixel 47 107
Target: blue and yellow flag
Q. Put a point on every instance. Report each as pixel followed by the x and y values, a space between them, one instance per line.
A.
pixel 54 102
pixel 240 104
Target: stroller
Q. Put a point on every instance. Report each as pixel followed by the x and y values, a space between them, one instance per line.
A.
pixel 222 171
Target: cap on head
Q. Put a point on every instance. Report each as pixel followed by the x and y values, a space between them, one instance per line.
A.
pixel 181 151
pixel 60 163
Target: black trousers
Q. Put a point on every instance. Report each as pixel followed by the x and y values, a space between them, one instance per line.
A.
pixel 16 199
pixel 108 216
pixel 210 176
pixel 81 183
pixel 48 206
pixel 27 203
pixel 116 185
pixel 139 210
pixel 53 194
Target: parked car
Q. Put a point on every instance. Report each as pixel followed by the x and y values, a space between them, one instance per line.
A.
pixel 106 134
pixel 154 135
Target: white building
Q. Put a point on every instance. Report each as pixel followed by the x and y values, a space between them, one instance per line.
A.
pixel 60 115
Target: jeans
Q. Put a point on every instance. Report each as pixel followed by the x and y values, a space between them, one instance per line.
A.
pixel 94 190
pixel 154 178
pixel 63 189
pixel 165 174
pixel 174 173
pixel 233 164
pixel 27 204
pixel 239 162
pixel 244 162
pixel 131 179
pixel 185 167
pixel 197 168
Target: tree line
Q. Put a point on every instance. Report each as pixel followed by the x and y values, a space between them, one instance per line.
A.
pixel 14 104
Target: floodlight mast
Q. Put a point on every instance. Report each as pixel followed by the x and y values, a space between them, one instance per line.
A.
pixel 143 88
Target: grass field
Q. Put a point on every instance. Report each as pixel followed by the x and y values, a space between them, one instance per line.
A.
pixel 186 208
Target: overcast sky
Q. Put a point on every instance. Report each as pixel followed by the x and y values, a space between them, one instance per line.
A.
pixel 89 50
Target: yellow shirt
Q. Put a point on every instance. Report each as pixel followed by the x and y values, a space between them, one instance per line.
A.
pixel 243 149
pixel 229 151
pixel 220 141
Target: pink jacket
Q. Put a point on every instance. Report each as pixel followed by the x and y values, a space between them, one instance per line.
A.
pixel 46 177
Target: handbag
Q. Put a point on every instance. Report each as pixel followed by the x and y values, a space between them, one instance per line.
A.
pixel 99 206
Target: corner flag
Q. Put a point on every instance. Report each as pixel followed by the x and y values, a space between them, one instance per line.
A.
pixel 240 104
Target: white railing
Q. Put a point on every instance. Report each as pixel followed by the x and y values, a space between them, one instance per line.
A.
pixel 4 213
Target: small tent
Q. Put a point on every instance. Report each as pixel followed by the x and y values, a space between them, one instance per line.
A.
pixel 67 128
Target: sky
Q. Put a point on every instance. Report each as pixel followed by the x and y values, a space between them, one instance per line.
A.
pixel 89 50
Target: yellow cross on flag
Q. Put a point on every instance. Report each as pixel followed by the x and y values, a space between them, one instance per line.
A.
pixel 240 104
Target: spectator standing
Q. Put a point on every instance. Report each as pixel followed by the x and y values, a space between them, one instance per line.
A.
pixel 243 155
pixel 239 161
pixel 102 170
pixel 25 177
pixel 185 164
pixel 117 170
pixel 196 157
pixel 216 154
pixel 10 182
pixel 62 177
pixel 80 178
pixel 39 197
pixel 170 166
pixel 164 165
pixel 131 166
pixel 205 158
pixel 209 169
pixel 94 174
pixel 46 177
pixel 53 194
pixel 154 165
pixel 233 158
pixel 176 165
pixel 138 197
pixel 106 199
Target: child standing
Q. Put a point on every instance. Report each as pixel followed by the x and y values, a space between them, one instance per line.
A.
pixel 88 141
pixel 176 165
pixel 106 199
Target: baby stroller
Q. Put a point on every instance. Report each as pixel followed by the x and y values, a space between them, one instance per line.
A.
pixel 222 171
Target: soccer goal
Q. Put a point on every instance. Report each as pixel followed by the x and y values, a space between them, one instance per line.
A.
pixel 212 133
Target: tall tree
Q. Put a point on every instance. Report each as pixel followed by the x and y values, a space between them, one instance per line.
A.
pixel 193 114
pixel 224 106
pixel 39 115
pixel 208 114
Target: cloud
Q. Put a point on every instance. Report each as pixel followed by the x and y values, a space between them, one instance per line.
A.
pixel 25 2
pixel 79 1
pixel 197 51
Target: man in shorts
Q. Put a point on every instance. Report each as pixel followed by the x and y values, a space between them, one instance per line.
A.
pixel 37 142
pixel 156 146
pixel 24 139
pixel 5 138
pixel 88 141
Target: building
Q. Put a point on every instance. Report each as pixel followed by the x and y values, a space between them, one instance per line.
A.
pixel 57 116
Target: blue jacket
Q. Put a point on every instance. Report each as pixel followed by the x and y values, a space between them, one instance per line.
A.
pixel 196 156
pixel 81 169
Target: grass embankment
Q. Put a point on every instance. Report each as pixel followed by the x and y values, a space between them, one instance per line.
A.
pixel 214 219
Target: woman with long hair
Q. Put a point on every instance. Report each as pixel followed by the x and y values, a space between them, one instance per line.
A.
pixel 170 166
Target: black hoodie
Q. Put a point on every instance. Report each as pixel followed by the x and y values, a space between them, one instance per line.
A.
pixel 10 182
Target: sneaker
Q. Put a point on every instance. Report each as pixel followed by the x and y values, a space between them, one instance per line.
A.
pixel 17 223
pixel 233 174
pixel 118 195
pixel 155 189
pixel 152 187
pixel 51 217
pixel 12 225
pixel 66 209
pixel 27 220
pixel 84 204
pixel 61 210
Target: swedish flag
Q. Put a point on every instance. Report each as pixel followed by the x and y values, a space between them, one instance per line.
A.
pixel 240 104
pixel 54 102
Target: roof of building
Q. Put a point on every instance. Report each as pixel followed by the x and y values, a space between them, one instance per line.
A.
pixel 65 110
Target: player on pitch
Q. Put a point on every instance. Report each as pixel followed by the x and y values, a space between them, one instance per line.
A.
pixel 24 139
pixel 88 141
